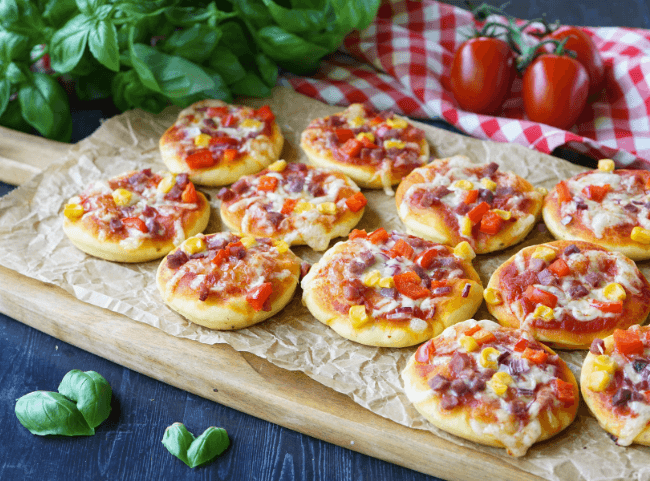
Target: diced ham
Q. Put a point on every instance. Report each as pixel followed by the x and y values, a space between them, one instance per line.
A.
pixel 459 387
pixel 621 397
pixel 462 208
pixel 388 292
pixel 439 383
pixel 504 191
pixel 226 194
pixel 577 291
pixel 448 401
pixel 594 278
pixel 546 278
pixel 536 265
pixel 240 186
pixel 486 195
pixel 631 208
pixel 177 259
pixel 571 249
pixel 459 362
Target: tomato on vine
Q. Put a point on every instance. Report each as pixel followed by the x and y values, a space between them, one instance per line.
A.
pixel 482 73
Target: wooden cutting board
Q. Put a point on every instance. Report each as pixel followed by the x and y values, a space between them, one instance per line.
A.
pixel 239 380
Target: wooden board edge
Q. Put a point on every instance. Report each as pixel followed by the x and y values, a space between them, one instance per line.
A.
pixel 242 381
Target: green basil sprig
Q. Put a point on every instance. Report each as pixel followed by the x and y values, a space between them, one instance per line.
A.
pixel 82 403
pixel 195 451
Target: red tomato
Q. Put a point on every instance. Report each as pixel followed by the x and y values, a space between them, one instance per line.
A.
pixel 555 90
pixel 586 53
pixel 481 74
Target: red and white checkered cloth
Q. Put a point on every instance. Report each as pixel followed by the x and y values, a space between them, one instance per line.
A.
pixel 405 56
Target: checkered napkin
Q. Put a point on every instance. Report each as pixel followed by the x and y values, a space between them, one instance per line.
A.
pixel 405 56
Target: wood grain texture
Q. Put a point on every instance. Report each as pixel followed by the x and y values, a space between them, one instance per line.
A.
pixel 240 380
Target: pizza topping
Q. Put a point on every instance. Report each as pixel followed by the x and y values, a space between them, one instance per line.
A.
pixel 258 297
pixel 359 136
pixel 295 202
pixel 508 371
pixel 473 195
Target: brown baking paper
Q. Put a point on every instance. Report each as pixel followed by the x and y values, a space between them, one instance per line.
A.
pixel 32 243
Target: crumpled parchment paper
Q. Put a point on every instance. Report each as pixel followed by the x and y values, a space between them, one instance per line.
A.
pixel 32 243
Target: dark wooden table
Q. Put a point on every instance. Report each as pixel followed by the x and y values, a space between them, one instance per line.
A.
pixel 128 445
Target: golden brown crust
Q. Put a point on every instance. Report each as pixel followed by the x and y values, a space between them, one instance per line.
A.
pixel 262 150
pixel 441 220
pixel 96 238
pixel 579 223
pixel 258 212
pixel 612 419
pixel 570 333
pixel 325 287
pixel 477 417
pixel 226 305
pixel 367 173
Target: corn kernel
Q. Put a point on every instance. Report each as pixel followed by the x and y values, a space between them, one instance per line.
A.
pixel 73 211
pixel 167 183
pixel 464 251
pixel 202 140
pixel 489 357
pixel 614 292
pixel 356 122
pixel 278 166
pixel 606 165
pixel 469 343
pixel 194 245
pixel 641 235
pixel 281 246
pixel 327 208
pixel 358 315
pixel 599 380
pixel 499 383
pixel 489 184
pixel 368 135
pixel 504 214
pixel 464 184
pixel 122 197
pixel 250 124
pixel 544 253
pixel 542 190
pixel 303 207
pixel 605 363
pixel 466 226
pixel 396 123
pixel 398 144
pixel 372 278
pixel 492 296
pixel 544 312
pixel 248 241
pixel 386 282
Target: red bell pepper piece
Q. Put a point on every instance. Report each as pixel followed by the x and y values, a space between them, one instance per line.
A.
pixel 596 192
pixel 267 183
pixel 221 256
pixel 189 194
pixel 426 258
pixel 230 121
pixel 408 284
pixel 628 342
pixel 356 202
pixel 288 206
pixel 521 345
pixel 425 351
pixel 136 223
pixel 258 296
pixel 379 236
pixel 563 194
pixel 201 159
pixel 564 391
pixel 356 233
pixel 615 307
pixel 538 296
pixel 343 135
pixel 491 223
pixel 536 356
pixel 352 148
pixel 401 248
pixel 265 114
pixel 223 141
pixel 230 154
pixel 560 268
pixel 217 111
pixel 471 196
pixel 477 212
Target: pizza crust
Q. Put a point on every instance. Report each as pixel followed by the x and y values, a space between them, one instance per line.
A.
pixel 615 238
pixel 438 224
pixel 478 423
pixel 234 312
pixel 635 311
pixel 364 174
pixel 262 152
pixel 599 403
pixel 454 308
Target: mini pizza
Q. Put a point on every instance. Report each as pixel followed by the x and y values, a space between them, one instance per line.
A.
pixel 608 207
pixel 568 293
pixel 492 385
pixel 225 281
pixel 454 200
pixel 216 143
pixel 375 149
pixel 392 289
pixel 615 384
pixel 135 217
pixel 294 202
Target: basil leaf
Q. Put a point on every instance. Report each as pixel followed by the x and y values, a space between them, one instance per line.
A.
pixel 225 63
pixel 129 93
pixel 195 452
pixel 68 44
pixel 177 439
pixel 255 12
pixel 58 11
pixel 355 15
pixel 44 412
pixel 13 45
pixel 268 69
pixel 95 86
pixel 289 50
pixel 220 91
pixel 89 7
pixel 207 446
pixel 251 85
pixel 170 75
pixel 195 43
pixel 235 38
pixel 13 118
pixel 91 392
pixel 299 20
pixel 102 41
pixel 5 93
pixel 44 105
